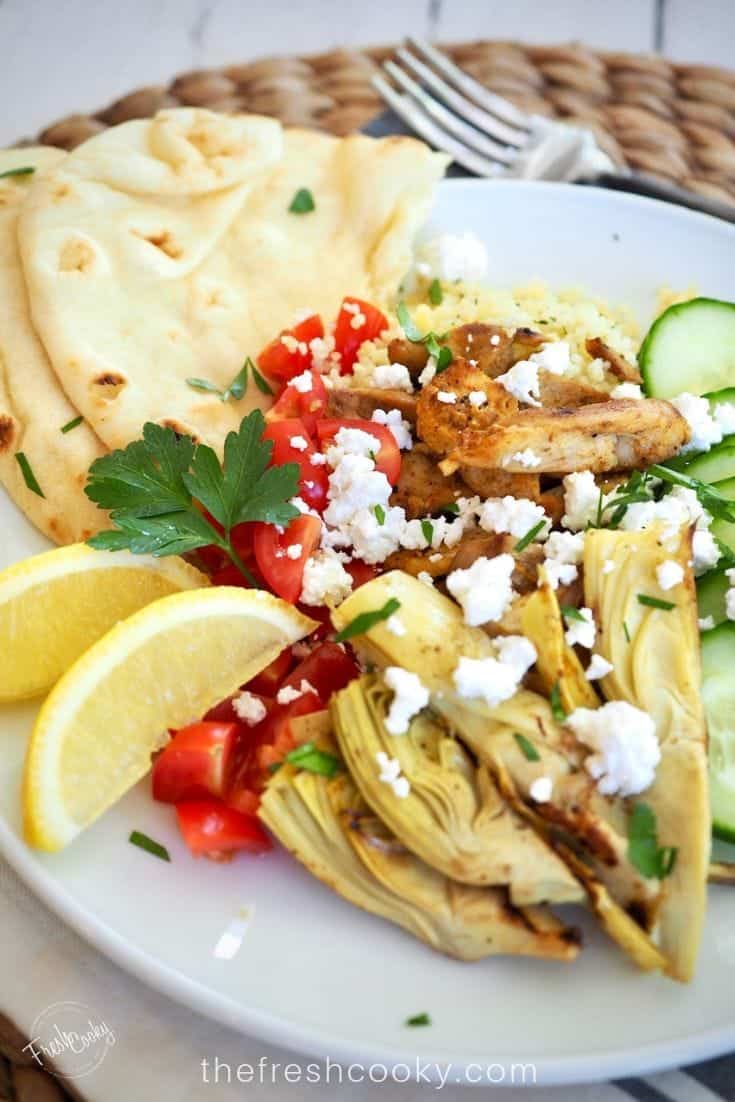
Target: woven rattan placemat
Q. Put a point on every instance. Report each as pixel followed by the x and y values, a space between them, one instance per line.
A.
pixel 675 122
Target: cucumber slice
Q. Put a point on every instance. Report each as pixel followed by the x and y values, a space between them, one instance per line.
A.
pixel 690 347
pixel 711 590
pixel 718 695
pixel 716 465
pixel 723 530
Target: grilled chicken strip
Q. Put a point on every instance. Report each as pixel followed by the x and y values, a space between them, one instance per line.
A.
pixel 558 392
pixel 444 412
pixel 421 487
pixel 616 435
pixel 363 401
pixel 618 365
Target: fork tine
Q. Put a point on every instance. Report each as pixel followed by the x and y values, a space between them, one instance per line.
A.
pixel 417 119
pixel 497 105
pixel 471 137
pixel 478 116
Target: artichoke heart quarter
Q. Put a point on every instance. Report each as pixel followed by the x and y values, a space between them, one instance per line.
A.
pixel 329 828
pixel 454 817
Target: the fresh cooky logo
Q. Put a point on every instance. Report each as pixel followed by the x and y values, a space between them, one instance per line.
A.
pixel 70 1039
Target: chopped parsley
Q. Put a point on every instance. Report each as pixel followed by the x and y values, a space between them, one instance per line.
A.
pixel 237 388
pixel 557 708
pixel 451 507
pixel 434 346
pixel 155 487
pixel 626 632
pixel 313 760
pixel 655 602
pixel 142 841
pixel 710 498
pixel 23 170
pixel 367 620
pixel 28 476
pixel 379 514
pixel 569 612
pixel 302 202
pixel 529 537
pixel 436 295
pixel 652 861
pixel 427 531
pixel 419 1019
pixel 528 750
pixel 71 424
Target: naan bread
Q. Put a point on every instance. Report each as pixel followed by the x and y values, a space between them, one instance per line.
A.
pixel 164 249
pixel 33 406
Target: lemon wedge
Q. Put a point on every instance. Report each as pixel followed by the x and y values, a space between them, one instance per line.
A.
pixel 55 605
pixel 163 667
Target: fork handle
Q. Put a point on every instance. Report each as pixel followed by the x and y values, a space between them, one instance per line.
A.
pixel 655 188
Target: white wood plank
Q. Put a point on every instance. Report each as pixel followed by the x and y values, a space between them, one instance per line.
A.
pixel 701 31
pixel 608 24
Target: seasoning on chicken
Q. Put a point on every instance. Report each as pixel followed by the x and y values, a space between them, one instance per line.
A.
pixel 617 364
pixel 362 402
pixel 459 401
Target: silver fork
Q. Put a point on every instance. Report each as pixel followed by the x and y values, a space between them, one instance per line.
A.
pixel 491 137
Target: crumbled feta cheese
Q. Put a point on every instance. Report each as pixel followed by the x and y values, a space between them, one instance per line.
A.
pixel 705 429
pixel 452 257
pixel 429 371
pixel 289 693
pixel 390 773
pixel 608 566
pixel 358 321
pixel 293 345
pixel 541 789
pixel 409 697
pixel 303 508
pixel 705 551
pixel 581 632
pixel 477 398
pixel 484 590
pixel 495 679
pixel 516 515
pixel 560 573
pixel 624 744
pixel 706 623
pixel 522 382
pixel 627 390
pixel 372 541
pixel 526 458
pixel 303 383
pixel 554 357
pixel 354 484
pixel 598 667
pixel 581 500
pixel 724 415
pixel 298 443
pixel 669 574
pixel 395 626
pixel 317 459
pixel 494 340
pixel 425 577
pixel 326 582
pixel 391 377
pixel 249 708
pixel 349 441
pixel 351 307
pixel 447 397
pixel 564 551
pixel 400 428
pixel 294 551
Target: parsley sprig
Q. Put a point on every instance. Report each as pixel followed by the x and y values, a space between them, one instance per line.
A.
pixel 645 854
pixel 155 487
pixel 710 498
pixel 441 352
pixel 611 510
pixel 237 388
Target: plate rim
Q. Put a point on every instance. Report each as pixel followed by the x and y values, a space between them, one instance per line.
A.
pixel 260 1024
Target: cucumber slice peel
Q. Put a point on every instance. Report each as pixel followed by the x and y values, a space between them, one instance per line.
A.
pixel 724 530
pixel 716 465
pixel 711 590
pixel 718 695
pixel 690 347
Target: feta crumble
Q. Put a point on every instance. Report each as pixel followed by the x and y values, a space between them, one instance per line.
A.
pixel 526 458
pixel 706 623
pixel 390 773
pixel 452 257
pixel 624 744
pixel 541 789
pixel 425 577
pixel 627 390
pixel 429 371
pixel 495 679
pixel 477 398
pixel 669 574
pixel 522 382
pixel 325 582
pixel 400 428
pixel 484 590
pixel 581 500
pixel 391 377
pixel 410 695
pixel 581 632
pixel 294 551
pixel 249 708
pixel 395 626
pixel 515 515
pixel 704 428
pixel 447 397
pixel 724 415
pixel 564 551
pixel 298 443
pixel 303 383
pixel 289 693
pixel 598 667
pixel 349 441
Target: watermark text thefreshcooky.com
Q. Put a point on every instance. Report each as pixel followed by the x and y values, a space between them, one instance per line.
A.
pixel 435 1075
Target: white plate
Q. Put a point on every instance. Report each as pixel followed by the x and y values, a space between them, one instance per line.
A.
pixel 316 974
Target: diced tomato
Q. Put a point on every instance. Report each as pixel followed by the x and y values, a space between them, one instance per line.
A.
pixel 322 615
pixel 309 405
pixel 388 459
pixel 283 572
pixel 261 746
pixel 282 359
pixel 327 669
pixel 313 481
pixel 360 572
pixel 211 827
pixel 195 762
pixel 348 337
pixel 269 680
pixel 232 575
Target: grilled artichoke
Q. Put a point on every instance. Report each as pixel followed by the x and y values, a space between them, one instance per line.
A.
pixel 655 653
pixel 454 817
pixel 328 827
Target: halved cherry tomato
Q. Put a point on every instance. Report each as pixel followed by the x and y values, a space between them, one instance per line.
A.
pixel 232 575
pixel 327 669
pixel 195 763
pixel 360 572
pixel 281 556
pixel 211 827
pixel 388 459
pixel 269 680
pixel 289 354
pixel 348 336
pixel 313 481
pixel 309 405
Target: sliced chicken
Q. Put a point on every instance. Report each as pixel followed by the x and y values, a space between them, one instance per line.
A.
pixel 488 347
pixel 472 546
pixel 558 392
pixel 412 354
pixel 491 483
pixel 616 435
pixel 445 412
pixel 617 364
pixel 422 488
pixel 363 401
